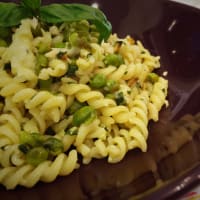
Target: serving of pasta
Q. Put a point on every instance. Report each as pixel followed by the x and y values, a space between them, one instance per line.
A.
pixel 66 98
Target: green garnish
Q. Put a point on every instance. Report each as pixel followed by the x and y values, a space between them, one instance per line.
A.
pixel 59 45
pixel 24 148
pixel 111 85
pixel 73 39
pixel 36 155
pixel 45 84
pixel 54 146
pixel 72 68
pixel 43 47
pixel 11 14
pixel 152 77
pixel 98 81
pixel 84 114
pixel 76 105
pixel 114 59
pixel 42 60
pixel 72 131
pixel 119 98
pixel 32 139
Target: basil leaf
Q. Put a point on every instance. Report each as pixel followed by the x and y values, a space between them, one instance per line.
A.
pixel 11 14
pixel 32 5
pixel 57 13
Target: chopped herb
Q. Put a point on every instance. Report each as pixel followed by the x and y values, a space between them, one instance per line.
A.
pixel 50 131
pixel 62 55
pixel 129 91
pixel 24 148
pixel 164 90
pixel 45 84
pixel 119 98
pixel 72 68
pixel 76 105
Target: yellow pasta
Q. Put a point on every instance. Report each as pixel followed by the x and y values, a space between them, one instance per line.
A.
pixel 157 98
pixel 27 175
pixel 10 155
pixel 65 96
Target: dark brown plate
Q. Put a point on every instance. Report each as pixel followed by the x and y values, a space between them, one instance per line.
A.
pixel 172 31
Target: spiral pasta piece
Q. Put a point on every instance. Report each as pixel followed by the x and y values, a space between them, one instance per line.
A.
pixel 10 155
pixel 126 72
pixel 9 128
pixel 117 149
pixel 84 94
pixel 120 114
pixel 93 149
pixel 157 98
pixel 28 176
pixel 43 100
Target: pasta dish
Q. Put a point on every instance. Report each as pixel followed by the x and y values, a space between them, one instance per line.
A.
pixel 67 98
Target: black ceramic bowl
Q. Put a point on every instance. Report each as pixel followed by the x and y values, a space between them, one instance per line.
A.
pixel 172 31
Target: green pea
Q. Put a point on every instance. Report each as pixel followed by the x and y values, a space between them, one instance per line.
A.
pixel 72 68
pixel 32 139
pixel 76 105
pixel 152 77
pixel 84 114
pixel 54 146
pixel 98 81
pixel 36 155
pixel 3 43
pixel 113 59
pixel 45 84
pixel 111 85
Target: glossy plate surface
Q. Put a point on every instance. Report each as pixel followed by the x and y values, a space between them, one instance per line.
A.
pixel 172 31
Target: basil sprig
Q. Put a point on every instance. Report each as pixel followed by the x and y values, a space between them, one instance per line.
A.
pixel 11 14
pixel 32 6
pixel 56 13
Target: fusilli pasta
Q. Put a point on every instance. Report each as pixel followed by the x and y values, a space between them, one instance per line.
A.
pixel 64 94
